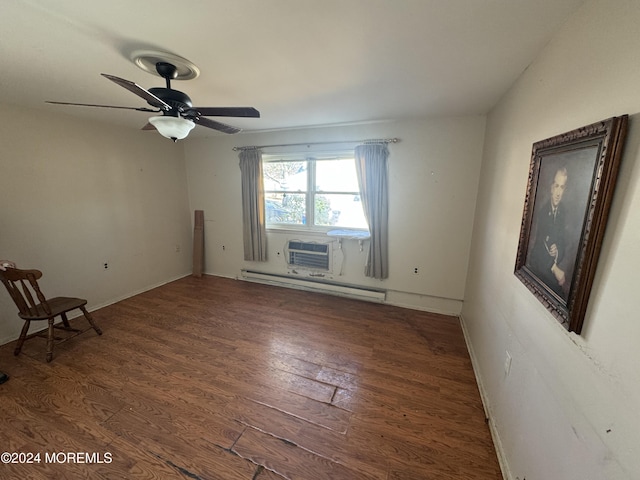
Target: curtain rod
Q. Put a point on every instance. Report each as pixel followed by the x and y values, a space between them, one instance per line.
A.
pixel 308 144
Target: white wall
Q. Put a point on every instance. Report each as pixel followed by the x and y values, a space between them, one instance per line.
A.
pixel 569 407
pixel 433 177
pixel 74 195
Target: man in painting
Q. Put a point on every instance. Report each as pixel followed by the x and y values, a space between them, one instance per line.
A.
pixel 549 246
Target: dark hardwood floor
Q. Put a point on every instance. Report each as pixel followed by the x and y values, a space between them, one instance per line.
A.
pixel 211 378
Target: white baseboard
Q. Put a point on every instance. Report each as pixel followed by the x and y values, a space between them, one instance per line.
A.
pixel 426 303
pixel 497 442
pixel 111 301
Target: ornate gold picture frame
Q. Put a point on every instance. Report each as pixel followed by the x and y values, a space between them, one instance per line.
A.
pixel 571 182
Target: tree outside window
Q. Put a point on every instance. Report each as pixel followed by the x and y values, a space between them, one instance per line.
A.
pixel 312 193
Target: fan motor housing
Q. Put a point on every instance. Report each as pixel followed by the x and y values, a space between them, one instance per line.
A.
pixel 175 98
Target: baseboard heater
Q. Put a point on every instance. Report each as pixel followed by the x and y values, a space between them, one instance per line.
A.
pixel 361 293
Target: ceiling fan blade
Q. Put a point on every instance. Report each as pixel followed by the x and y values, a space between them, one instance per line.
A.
pixel 148 126
pixel 221 127
pixel 138 90
pixel 140 109
pixel 226 111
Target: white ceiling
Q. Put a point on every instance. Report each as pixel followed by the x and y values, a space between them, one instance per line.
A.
pixel 300 62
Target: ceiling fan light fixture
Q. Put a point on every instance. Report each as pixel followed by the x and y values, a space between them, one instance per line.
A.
pixel 175 128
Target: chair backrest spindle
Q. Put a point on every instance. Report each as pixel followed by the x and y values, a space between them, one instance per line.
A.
pixel 20 284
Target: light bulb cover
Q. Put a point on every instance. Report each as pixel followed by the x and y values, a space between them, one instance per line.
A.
pixel 175 128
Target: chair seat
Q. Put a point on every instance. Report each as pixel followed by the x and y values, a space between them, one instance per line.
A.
pixel 57 305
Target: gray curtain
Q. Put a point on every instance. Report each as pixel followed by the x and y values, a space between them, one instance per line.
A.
pixel 371 167
pixel 253 216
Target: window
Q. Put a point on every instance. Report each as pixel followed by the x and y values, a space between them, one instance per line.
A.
pixel 316 193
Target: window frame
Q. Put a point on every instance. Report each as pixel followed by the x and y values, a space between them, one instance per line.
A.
pixel 311 192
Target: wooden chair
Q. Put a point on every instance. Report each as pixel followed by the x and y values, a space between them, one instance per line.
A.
pixel 22 286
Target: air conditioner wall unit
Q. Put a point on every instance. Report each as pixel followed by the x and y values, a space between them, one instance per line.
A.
pixel 312 255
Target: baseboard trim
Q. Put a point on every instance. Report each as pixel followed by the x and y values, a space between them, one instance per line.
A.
pixel 134 293
pixel 497 442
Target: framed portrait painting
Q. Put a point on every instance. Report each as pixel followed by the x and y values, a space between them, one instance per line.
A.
pixel 569 191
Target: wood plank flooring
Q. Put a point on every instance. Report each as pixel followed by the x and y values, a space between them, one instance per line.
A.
pixel 212 378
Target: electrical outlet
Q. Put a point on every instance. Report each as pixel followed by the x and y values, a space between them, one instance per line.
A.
pixel 507 363
pixel 106 265
pixel 177 248
pixel 416 271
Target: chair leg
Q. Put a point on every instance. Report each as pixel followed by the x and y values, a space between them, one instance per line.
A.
pixel 50 341
pixel 89 318
pixel 65 320
pixel 22 338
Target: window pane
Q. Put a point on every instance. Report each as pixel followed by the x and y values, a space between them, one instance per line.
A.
pixel 288 176
pixel 336 176
pixel 288 208
pixel 339 210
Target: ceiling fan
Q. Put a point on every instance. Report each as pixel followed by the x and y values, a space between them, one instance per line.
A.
pixel 179 115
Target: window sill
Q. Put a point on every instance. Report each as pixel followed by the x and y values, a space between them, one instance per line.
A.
pixel 298 230
pixel 349 234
